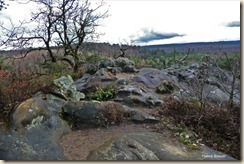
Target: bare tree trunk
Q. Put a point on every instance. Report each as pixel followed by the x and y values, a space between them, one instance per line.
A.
pixel 50 53
pixel 231 97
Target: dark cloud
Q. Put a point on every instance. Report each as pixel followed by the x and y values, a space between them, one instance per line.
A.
pixel 150 35
pixel 233 24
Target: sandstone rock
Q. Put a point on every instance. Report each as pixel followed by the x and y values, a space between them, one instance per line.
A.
pixel 36 130
pixel 166 87
pixel 91 68
pixel 29 110
pixel 142 117
pixel 150 77
pixel 121 62
pixel 90 83
pixel 114 70
pixel 103 75
pixel 215 84
pixel 150 146
pixel 65 87
pixel 125 64
pixel 136 94
pixel 215 94
pixel 93 113
pixel 84 82
pixel 106 63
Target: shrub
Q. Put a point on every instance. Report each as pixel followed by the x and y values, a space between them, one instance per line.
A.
pixel 12 91
pixel 1 63
pixel 112 115
pixel 93 59
pixel 15 89
pixel 218 127
pixel 53 69
pixel 224 64
pixel 103 94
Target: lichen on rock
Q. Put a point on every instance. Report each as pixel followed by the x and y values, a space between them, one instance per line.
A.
pixel 66 88
pixel 35 122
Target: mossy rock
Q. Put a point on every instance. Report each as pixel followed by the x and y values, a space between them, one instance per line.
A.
pixel 66 88
pixel 166 87
pixel 29 110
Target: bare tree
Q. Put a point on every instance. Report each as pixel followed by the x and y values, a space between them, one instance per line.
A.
pixel 198 88
pixel 77 22
pixel 124 47
pixel 14 35
pixel 44 31
pixel 22 37
pixel 180 61
pixel 233 63
pixel 2 5
pixel 65 24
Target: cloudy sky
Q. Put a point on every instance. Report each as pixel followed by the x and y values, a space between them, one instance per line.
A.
pixel 145 22
pixel 159 22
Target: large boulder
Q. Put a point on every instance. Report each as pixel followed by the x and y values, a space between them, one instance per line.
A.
pixel 36 130
pixel 124 63
pixel 84 82
pixel 89 83
pixel 139 89
pixel 93 113
pixel 104 75
pixel 106 63
pixel 66 88
pixel 150 146
pixel 28 111
pixel 150 77
pixel 136 94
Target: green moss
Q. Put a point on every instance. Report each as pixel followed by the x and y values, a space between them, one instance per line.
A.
pixel 192 146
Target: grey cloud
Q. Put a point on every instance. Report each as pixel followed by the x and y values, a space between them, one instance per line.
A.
pixel 151 35
pixel 233 24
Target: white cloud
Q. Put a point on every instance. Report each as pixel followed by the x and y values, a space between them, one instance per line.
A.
pixel 199 20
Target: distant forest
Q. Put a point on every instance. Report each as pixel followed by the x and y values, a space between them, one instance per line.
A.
pixel 108 49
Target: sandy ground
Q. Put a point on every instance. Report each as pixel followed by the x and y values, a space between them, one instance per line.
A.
pixel 79 143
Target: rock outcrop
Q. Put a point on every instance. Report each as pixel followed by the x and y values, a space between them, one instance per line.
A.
pixel 125 64
pixel 93 113
pixel 36 130
pixel 217 83
pixel 40 122
pixel 66 88
pixel 150 146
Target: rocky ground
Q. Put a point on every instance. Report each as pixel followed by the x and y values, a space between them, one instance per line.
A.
pixel 78 144
pixel 66 124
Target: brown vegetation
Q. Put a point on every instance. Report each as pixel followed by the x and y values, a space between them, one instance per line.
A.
pixel 218 127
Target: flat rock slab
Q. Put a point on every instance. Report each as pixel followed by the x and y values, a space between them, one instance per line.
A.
pixel 150 146
pixel 78 144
